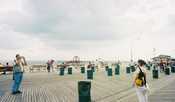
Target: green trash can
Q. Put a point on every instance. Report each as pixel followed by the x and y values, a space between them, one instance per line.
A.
pixel 106 68
pixel 173 69
pixel 90 74
pixel 155 74
pixel 148 67
pixel 117 70
pixel 93 69
pixel 109 71
pixel 69 71
pixel 128 71
pixel 167 71
pixel 133 68
pixel 82 70
pixel 61 71
pixel 84 91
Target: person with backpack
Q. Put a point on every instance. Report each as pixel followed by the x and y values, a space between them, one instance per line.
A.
pixel 18 70
pixel 140 82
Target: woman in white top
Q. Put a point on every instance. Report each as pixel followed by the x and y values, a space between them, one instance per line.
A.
pixel 140 81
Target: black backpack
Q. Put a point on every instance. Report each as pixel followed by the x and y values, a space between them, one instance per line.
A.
pixel 142 77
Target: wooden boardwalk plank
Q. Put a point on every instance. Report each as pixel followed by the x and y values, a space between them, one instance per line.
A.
pixel 55 88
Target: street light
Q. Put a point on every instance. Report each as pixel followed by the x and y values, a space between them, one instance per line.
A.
pixel 132 43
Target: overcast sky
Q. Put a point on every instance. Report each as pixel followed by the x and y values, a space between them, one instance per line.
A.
pixel 61 29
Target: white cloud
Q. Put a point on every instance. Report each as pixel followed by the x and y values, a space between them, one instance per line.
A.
pixel 41 29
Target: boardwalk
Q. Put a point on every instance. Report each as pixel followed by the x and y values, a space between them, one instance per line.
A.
pixel 165 94
pixel 44 87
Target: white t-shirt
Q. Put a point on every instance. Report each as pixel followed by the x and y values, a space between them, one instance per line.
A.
pixel 138 70
pixel 22 67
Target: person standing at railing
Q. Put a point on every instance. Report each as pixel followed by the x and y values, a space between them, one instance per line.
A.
pixel 1 67
pixel 18 70
pixel 5 68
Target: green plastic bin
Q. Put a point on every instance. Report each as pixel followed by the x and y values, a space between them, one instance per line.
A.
pixel 167 71
pixel 128 70
pixel 82 70
pixel 109 71
pixel 117 71
pixel 173 69
pixel 93 69
pixel 69 70
pixel 155 74
pixel 61 71
pixel 133 69
pixel 90 74
pixel 84 91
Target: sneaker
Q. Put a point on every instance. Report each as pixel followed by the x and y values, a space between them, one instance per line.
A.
pixel 14 93
pixel 19 92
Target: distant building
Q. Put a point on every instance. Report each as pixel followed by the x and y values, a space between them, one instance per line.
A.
pixel 173 61
pixel 162 59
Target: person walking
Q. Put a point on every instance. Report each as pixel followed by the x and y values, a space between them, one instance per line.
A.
pixel 51 65
pixel 18 70
pixel 89 65
pixel 6 68
pixel 48 66
pixel 140 82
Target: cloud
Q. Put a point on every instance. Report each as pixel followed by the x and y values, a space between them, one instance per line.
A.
pixel 14 40
pixel 65 20
pixel 87 27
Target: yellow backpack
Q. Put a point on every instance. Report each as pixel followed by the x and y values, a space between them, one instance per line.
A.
pixel 139 81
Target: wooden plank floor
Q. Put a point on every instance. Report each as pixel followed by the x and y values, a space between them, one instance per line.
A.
pixel 44 87
pixel 165 94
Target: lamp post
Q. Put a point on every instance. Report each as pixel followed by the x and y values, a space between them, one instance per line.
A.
pixel 132 43
pixel 131 54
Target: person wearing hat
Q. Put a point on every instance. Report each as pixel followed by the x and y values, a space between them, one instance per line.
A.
pixel 18 70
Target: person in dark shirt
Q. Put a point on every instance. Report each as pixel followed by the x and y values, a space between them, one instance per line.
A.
pixel 6 68
pixel 48 66
pixel 89 65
